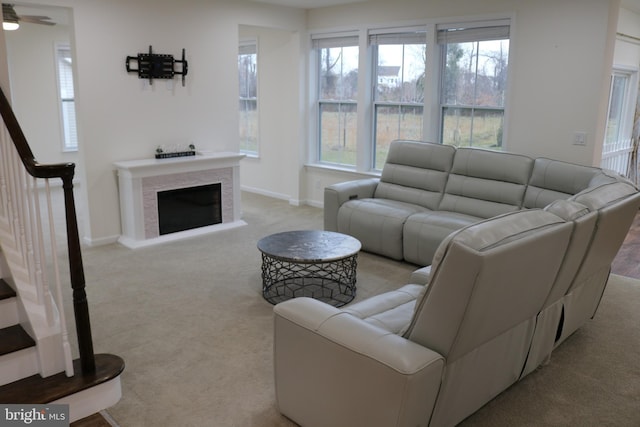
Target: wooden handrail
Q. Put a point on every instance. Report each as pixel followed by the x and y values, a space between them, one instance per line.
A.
pixel 64 171
pixel 57 170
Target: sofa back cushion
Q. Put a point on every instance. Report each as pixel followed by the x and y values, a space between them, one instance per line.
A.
pixel 488 277
pixel 617 204
pixel 550 319
pixel 554 179
pixel 488 282
pixel 486 183
pixel 415 172
pixel 584 223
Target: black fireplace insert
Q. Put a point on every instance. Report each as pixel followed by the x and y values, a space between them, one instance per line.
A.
pixel 188 208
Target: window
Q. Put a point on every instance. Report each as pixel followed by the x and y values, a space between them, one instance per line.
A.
pixel 617 97
pixel 438 82
pixel 68 105
pixel 474 77
pixel 248 91
pixel 618 148
pixel 399 77
pixel 337 68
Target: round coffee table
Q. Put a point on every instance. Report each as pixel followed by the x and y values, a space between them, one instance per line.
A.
pixel 310 263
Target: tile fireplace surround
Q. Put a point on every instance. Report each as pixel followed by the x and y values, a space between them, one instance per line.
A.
pixel 140 181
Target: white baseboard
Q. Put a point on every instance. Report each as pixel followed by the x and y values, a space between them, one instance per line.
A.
pixel 315 204
pixel 101 241
pixel 279 196
pixel 134 244
pixel 261 192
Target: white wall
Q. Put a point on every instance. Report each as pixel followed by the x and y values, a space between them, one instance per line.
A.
pixel 121 117
pixel 560 66
pixel 627 50
pixel 275 171
pixel 34 88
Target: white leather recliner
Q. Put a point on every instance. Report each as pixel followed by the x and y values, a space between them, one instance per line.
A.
pixel 424 355
pixel 616 205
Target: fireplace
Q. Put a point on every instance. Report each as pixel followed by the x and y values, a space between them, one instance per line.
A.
pixel 169 199
pixel 188 208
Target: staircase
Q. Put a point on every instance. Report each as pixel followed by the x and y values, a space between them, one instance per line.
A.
pixel 36 363
pixel 17 348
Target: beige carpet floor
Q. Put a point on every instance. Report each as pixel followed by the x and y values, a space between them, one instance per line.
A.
pixel 190 322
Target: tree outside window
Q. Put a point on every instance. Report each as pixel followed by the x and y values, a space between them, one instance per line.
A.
pixel 337 61
pixel 459 100
pixel 473 90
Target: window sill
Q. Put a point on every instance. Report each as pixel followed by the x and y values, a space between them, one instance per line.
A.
pixel 334 168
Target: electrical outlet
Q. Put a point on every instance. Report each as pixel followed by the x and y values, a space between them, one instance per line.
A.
pixel 579 138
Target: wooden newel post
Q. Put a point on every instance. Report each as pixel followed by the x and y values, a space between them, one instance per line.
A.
pixel 80 304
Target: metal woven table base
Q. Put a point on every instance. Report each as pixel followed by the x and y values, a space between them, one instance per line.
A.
pixel 333 282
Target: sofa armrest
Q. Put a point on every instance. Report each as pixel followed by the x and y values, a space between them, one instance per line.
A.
pixel 332 368
pixel 335 195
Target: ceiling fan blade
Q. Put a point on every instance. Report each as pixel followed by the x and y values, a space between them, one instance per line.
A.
pixel 41 17
pixel 36 20
pixel 8 12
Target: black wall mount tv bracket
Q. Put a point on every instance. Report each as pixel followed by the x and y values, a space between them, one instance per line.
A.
pixel 157 66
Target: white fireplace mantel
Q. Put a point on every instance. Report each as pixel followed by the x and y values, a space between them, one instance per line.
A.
pixel 140 180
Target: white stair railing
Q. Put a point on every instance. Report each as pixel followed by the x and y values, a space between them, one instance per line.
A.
pixel 617 155
pixel 33 264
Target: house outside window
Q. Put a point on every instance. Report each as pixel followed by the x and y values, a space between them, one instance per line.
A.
pixel 337 68
pixel 67 98
pixel 248 96
pixel 400 67
pixel 474 81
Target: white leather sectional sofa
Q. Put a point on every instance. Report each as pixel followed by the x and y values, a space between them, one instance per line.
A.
pixel 500 295
pixel 428 190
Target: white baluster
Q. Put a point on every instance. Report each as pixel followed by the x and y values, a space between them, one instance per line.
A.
pixel 66 348
pixel 42 280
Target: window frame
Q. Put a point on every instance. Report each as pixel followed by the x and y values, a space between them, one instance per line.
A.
pixel 432 109
pixel 249 46
pixel 377 37
pixel 470 32
pixel 627 106
pixel 319 42
pixel 68 125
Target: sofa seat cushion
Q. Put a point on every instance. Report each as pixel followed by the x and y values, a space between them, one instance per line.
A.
pixel 377 223
pixel 421 276
pixel 391 311
pixel 423 233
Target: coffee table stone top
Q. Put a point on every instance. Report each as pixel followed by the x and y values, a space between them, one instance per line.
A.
pixel 310 246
